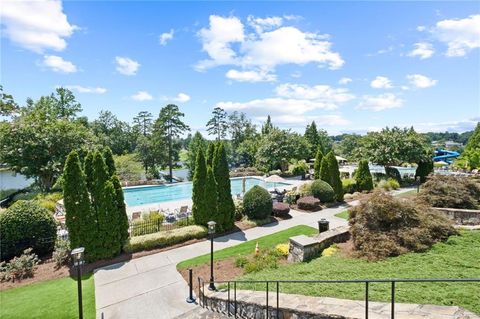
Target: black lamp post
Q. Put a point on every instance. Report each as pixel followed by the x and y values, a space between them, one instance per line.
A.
pixel 211 232
pixel 77 256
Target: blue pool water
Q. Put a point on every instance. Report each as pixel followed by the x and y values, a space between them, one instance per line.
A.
pixel 135 196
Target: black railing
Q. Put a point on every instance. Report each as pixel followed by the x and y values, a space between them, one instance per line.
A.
pixel 140 227
pixel 276 308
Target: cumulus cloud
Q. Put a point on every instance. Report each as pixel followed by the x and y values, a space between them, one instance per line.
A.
pixel 165 37
pixel 181 98
pixel 381 82
pixel 250 76
pixel 344 81
pixel 227 42
pixel 460 35
pixel 36 25
pixel 421 81
pixel 423 50
pixel 301 121
pixel 58 64
pixel 318 92
pixel 126 65
pixel 450 126
pixel 87 89
pixel 380 102
pixel 142 96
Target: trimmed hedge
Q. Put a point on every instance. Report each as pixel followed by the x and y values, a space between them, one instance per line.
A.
pixel 280 209
pixel 257 203
pixel 309 203
pixel 363 177
pixel 323 191
pixel 164 238
pixel 24 225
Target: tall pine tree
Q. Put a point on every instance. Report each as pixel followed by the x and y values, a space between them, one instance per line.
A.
pixel 198 193
pixel 318 163
pixel 107 215
pixel 108 156
pixel 335 180
pixel 226 207
pixel 88 169
pixel 121 219
pixel 211 199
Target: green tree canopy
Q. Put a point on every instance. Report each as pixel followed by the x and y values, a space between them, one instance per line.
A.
pixel 196 143
pixel 37 141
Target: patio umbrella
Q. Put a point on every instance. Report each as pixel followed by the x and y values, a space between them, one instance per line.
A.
pixel 243 185
pixel 274 179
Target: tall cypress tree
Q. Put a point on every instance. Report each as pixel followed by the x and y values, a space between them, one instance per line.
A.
pixel 108 156
pixel 363 178
pixel 335 180
pixel 210 154
pixel 121 219
pixel 88 169
pixel 81 225
pixel 107 215
pixel 198 193
pixel 226 207
pixel 318 164
pixel 325 170
pixel 211 199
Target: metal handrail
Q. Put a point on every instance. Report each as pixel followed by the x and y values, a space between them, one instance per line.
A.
pixel 278 282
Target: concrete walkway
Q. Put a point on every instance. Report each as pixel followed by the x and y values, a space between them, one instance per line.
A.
pixel 151 287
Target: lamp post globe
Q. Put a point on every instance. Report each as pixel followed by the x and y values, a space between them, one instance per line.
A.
pixel 211 231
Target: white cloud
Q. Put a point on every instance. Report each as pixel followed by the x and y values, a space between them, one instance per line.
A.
pixel 58 64
pixel 421 81
pixel 300 121
pixel 344 81
pixel 450 126
pixel 323 93
pixel 296 74
pixel 181 98
pixel 292 100
pixel 380 102
pixel 421 28
pixel 264 24
pixel 460 35
pixel 142 96
pixel 423 50
pixel 381 82
pixel 126 65
pixel 250 76
pixel 36 25
pixel 86 89
pixel 165 37
pixel 226 43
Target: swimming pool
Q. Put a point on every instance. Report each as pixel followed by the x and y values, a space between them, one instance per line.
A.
pixel 135 196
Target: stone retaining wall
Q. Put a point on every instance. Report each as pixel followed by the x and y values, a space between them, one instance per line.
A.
pixel 252 304
pixel 468 217
pixel 303 248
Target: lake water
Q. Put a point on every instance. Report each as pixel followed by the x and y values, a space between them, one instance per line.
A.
pixel 9 179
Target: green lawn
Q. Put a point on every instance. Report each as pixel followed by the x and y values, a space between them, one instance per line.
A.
pixel 457 258
pixel 343 214
pixel 49 299
pixel 407 194
pixel 248 247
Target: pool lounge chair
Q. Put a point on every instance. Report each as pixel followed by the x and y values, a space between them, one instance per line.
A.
pixel 136 215
pixel 182 213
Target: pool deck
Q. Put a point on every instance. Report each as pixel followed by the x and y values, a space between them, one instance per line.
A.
pixel 176 204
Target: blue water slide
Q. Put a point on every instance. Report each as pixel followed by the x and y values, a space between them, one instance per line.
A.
pixel 446 156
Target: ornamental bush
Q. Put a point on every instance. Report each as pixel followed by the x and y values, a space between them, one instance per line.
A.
pixel 323 191
pixel 24 225
pixel 384 226
pixel 392 172
pixel 423 170
pixel 451 192
pixel 309 203
pixel 280 209
pixel 349 186
pixel 363 177
pixel 257 203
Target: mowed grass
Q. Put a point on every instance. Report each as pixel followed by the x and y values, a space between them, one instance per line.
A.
pixel 343 214
pixel 49 299
pixel 457 258
pixel 248 248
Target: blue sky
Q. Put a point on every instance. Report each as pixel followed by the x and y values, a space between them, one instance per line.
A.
pixel 350 66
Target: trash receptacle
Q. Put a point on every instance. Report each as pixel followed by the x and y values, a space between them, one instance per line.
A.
pixel 323 225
